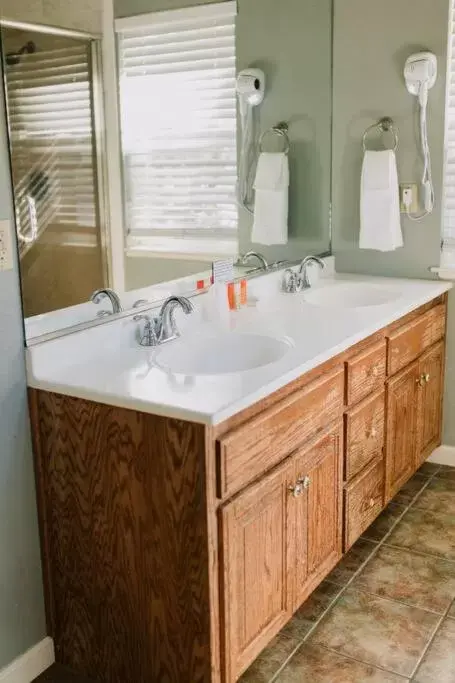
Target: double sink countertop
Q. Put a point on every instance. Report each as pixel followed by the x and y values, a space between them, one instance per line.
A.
pixel 105 363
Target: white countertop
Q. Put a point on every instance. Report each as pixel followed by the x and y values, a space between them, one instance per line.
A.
pixel 105 363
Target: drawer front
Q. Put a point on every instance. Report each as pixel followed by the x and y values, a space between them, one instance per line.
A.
pixel 364 434
pixel 409 341
pixel 255 447
pixel 363 500
pixel 366 372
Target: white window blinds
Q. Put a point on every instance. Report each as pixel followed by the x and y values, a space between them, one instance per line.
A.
pixel 178 124
pixel 448 234
pixel 50 118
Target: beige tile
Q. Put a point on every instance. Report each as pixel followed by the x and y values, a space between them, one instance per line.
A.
pixel 452 611
pixel 311 610
pixel 408 492
pixel 438 665
pixel 270 660
pixel 376 631
pixel 418 580
pixel 439 496
pixel 425 532
pixel 351 562
pixel 384 523
pixel 312 664
pixel 429 468
pixel 446 472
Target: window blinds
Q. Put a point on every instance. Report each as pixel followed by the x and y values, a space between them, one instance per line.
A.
pixel 178 123
pixel 448 236
pixel 50 119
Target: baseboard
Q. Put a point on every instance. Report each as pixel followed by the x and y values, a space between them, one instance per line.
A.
pixel 444 455
pixel 31 664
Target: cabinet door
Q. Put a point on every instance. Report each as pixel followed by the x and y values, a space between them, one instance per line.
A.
pixel 258 559
pixel 431 372
pixel 401 442
pixel 318 511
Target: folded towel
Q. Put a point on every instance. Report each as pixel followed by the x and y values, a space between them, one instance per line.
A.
pixel 380 224
pixel 272 172
pixel 271 205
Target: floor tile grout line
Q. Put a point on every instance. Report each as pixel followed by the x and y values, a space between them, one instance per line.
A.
pixel 442 558
pixel 431 641
pixel 397 602
pixel 406 677
pixel 377 546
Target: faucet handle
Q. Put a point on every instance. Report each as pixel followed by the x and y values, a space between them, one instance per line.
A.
pixel 292 282
pixel 148 335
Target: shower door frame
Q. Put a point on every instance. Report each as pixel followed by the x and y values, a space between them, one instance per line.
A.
pixel 99 132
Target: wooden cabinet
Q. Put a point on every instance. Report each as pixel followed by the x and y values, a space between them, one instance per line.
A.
pixel 318 511
pixel 258 551
pixel 402 409
pixel 280 538
pixel 429 420
pixel 200 541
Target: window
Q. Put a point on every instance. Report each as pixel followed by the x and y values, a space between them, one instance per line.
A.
pixel 178 129
pixel 448 234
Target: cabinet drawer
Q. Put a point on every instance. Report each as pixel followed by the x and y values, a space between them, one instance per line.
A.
pixel 364 434
pixel 366 372
pixel 409 341
pixel 260 444
pixel 363 501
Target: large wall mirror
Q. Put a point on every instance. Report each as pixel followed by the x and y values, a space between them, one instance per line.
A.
pixel 142 190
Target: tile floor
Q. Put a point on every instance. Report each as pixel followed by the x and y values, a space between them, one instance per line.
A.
pixel 386 613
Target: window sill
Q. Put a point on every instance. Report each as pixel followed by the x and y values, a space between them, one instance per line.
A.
pixel 178 248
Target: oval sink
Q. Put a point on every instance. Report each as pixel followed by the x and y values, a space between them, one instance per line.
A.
pixel 351 295
pixel 221 354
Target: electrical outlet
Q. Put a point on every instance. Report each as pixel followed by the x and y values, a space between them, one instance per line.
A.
pixel 411 191
pixel 6 246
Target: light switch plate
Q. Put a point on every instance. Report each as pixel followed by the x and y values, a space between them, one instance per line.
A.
pixel 6 246
pixel 414 190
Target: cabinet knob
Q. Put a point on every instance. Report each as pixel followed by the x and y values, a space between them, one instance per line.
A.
pixel 372 502
pixel 427 378
pixel 372 433
pixel 423 379
pixel 296 490
pixel 305 482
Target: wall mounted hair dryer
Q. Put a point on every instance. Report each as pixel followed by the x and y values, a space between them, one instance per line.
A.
pixel 251 92
pixel 420 73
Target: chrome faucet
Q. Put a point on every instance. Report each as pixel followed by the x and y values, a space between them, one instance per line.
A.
pixel 253 254
pixel 163 328
pixel 298 281
pixel 100 294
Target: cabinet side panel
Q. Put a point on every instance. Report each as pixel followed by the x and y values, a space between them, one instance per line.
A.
pixel 127 527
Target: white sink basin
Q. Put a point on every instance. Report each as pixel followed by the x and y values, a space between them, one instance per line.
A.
pixel 221 354
pixel 351 295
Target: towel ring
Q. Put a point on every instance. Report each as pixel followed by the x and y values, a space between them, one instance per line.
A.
pixel 384 125
pixel 280 129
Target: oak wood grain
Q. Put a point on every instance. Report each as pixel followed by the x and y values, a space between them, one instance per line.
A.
pixel 429 419
pixel 410 340
pixel 250 450
pixel 365 427
pixel 401 428
pixel 318 511
pixel 127 523
pixel 365 372
pixel 364 500
pixel 258 560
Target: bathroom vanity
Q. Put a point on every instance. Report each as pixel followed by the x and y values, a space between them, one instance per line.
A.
pixel 175 549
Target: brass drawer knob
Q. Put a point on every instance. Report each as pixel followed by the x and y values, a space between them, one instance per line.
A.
pixel 296 490
pixel 372 433
pixel 372 502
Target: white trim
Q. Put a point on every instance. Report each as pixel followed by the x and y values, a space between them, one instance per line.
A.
pixel 113 152
pixel 218 10
pixel 444 273
pixel 31 664
pixel 444 455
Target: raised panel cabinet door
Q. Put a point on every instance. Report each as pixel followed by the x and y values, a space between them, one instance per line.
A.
pixel 401 440
pixel 318 521
pixel 258 551
pixel 430 385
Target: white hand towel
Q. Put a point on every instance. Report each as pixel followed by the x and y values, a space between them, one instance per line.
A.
pixel 380 224
pixel 271 205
